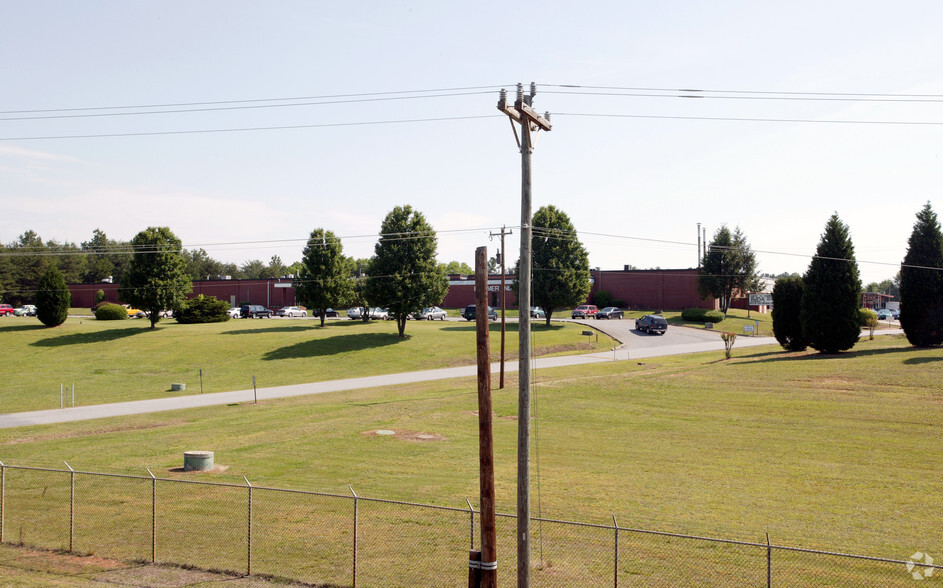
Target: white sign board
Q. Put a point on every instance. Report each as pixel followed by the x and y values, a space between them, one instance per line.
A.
pixel 761 299
pixel 747 328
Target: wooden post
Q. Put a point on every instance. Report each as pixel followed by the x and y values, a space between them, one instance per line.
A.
pixel 474 568
pixel 485 440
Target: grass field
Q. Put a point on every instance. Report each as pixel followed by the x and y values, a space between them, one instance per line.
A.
pixel 112 361
pixel 839 453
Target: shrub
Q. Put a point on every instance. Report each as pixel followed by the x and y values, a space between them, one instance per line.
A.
pixel 728 338
pixel 52 298
pixel 865 314
pixel 202 309
pixel 787 307
pixel 701 315
pixel 111 312
pixel 602 299
pixel 99 297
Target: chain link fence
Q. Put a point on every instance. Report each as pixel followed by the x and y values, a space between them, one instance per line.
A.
pixel 350 540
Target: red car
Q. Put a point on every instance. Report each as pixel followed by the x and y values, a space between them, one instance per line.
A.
pixel 6 310
pixel 584 311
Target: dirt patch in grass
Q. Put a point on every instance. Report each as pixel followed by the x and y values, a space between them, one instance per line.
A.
pixel 92 432
pixel 217 469
pixel 417 436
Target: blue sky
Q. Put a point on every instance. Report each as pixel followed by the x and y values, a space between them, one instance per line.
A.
pixel 629 184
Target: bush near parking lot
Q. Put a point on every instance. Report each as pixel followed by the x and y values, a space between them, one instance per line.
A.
pixel 202 309
pixel 111 312
pixel 602 299
pixel 702 315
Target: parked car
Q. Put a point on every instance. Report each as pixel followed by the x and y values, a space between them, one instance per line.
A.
pixel 884 314
pixel 379 314
pixel 651 323
pixel 354 313
pixel 235 312
pixel 895 313
pixel 432 313
pixel 584 311
pixel 537 312
pixel 6 310
pixel 135 312
pixel 254 311
pixel 470 313
pixel 25 310
pixel 610 312
pixel 329 313
pixel 292 311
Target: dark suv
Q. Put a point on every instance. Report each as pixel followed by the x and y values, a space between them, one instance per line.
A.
pixel 471 312
pixel 254 311
pixel 651 323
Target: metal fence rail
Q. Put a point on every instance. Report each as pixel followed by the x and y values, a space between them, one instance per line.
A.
pixel 346 540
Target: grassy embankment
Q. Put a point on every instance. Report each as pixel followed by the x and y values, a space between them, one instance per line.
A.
pixel 112 361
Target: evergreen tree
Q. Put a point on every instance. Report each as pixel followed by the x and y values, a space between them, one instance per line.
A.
pixel 728 268
pixel 560 263
pixel 157 279
pixel 404 276
pixel 52 298
pixel 787 305
pixel 830 318
pixel 921 282
pixel 324 279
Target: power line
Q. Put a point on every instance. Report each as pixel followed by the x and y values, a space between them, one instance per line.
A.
pixel 245 107
pixel 675 91
pixel 752 119
pixel 244 129
pixel 251 100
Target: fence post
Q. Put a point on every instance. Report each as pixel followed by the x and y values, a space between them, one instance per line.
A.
pixel 153 516
pixel 71 505
pixel 769 563
pixel 355 533
pixel 615 581
pixel 3 495
pixel 471 528
pixel 249 534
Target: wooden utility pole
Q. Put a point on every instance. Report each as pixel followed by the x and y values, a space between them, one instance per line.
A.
pixel 501 256
pixel 489 561
pixel 522 113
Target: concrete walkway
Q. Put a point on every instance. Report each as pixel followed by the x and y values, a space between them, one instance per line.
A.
pixel 81 413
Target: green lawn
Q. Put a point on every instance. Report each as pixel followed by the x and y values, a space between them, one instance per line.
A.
pixel 839 453
pixel 112 361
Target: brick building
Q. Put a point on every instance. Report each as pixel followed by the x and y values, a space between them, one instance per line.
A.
pixel 632 289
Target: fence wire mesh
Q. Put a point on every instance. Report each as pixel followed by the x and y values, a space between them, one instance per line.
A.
pixel 346 540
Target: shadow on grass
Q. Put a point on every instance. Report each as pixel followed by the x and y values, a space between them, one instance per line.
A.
pixel 294 328
pixel 93 337
pixel 495 327
pixel 777 356
pixel 333 346
pixel 919 360
pixel 37 327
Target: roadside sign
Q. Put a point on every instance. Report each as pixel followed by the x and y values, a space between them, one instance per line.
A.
pixel 747 328
pixel 761 299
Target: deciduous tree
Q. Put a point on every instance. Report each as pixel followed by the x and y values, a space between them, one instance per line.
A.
pixel 728 268
pixel 404 276
pixel 560 263
pixel 157 278
pixel 324 279
pixel 921 282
